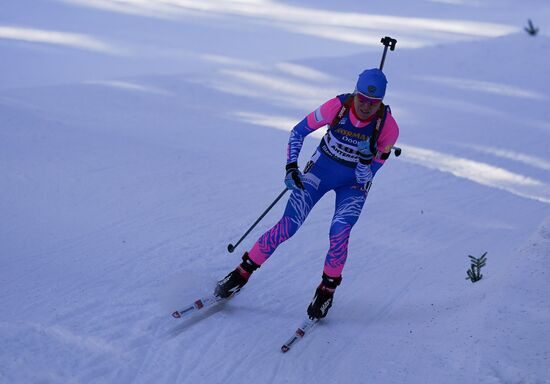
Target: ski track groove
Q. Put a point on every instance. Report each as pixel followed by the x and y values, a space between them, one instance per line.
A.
pixel 159 172
pixel 277 369
pixel 181 371
pixel 227 323
pixel 211 342
pixel 386 309
pixel 154 345
pixel 235 368
pixel 155 353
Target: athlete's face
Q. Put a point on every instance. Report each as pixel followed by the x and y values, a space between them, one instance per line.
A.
pixel 365 106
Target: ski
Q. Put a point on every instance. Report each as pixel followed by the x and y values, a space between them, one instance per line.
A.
pixel 306 327
pixel 199 304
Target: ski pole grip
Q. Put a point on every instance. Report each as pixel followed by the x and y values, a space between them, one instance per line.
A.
pixel 396 151
pixel 389 42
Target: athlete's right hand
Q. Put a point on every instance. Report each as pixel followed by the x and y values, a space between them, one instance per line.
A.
pixel 293 179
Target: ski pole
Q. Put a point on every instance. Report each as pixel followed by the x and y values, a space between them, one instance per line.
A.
pixel 232 247
pixel 388 43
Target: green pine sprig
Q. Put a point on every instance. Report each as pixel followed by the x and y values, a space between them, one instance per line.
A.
pixel 474 273
pixel 530 29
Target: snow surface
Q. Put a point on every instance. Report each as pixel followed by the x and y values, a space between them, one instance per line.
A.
pixel 139 138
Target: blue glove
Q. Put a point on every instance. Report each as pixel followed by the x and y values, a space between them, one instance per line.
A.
pixel 293 179
pixel 363 150
pixel 363 176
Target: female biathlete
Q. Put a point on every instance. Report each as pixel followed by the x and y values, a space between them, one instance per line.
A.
pixel 361 134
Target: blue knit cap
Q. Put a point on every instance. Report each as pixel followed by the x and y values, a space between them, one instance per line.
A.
pixel 372 83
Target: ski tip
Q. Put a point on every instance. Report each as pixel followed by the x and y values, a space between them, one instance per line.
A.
pixel 285 348
pixel 176 315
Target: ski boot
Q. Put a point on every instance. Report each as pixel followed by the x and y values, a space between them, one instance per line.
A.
pixel 322 301
pixel 236 279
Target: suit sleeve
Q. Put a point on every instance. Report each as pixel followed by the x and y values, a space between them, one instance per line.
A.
pixel 388 138
pixel 315 120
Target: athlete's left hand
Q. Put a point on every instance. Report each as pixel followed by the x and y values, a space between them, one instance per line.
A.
pixel 363 176
pixel 364 152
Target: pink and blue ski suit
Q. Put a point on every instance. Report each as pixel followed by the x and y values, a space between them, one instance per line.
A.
pixel 333 168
